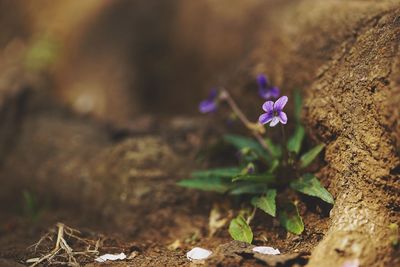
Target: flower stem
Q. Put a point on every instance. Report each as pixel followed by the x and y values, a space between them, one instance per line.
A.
pixel 285 151
pixel 255 128
pixel 283 135
pixel 251 216
pixel 227 97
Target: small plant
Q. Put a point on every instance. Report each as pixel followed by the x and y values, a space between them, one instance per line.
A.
pixel 30 206
pixel 266 168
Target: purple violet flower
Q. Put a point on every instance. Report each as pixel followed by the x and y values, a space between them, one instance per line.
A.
pixel 274 113
pixel 265 90
pixel 250 169
pixel 210 104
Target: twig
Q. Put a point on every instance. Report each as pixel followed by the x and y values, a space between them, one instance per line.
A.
pixel 45 257
pixel 37 244
pixel 62 245
pixel 60 235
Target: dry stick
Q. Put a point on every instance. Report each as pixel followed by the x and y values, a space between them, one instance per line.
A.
pixel 48 256
pixel 61 244
pixel 37 244
pixel 251 126
pixel 60 235
pixel 56 248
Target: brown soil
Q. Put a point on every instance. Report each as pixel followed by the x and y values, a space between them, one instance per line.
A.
pixel 112 175
pixel 134 195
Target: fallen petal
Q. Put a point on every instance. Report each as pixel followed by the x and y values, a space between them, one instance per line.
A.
pixel 198 254
pixel 111 257
pixel 267 250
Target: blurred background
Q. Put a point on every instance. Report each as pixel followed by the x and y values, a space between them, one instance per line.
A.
pixel 117 59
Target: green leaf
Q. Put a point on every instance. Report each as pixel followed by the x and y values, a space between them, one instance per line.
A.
pixel 266 203
pixel 308 184
pixel 219 172
pixel 276 150
pixel 246 188
pixel 290 218
pixel 215 184
pixel 241 142
pixel 297 105
pixel 294 143
pixel 258 178
pixel 309 156
pixel 240 230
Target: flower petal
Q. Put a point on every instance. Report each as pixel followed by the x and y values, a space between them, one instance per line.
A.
pixel 280 103
pixel 274 121
pixel 207 106
pixel 213 94
pixel 268 106
pixel 282 117
pixel 266 117
pixel 264 93
pixel 262 81
pixel 274 92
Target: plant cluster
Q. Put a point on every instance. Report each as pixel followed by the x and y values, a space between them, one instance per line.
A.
pixel 266 167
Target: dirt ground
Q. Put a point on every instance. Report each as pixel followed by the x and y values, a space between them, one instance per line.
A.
pixel 94 137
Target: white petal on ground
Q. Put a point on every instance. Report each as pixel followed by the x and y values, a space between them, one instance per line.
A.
pixel 111 257
pixel 198 254
pixel 267 250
